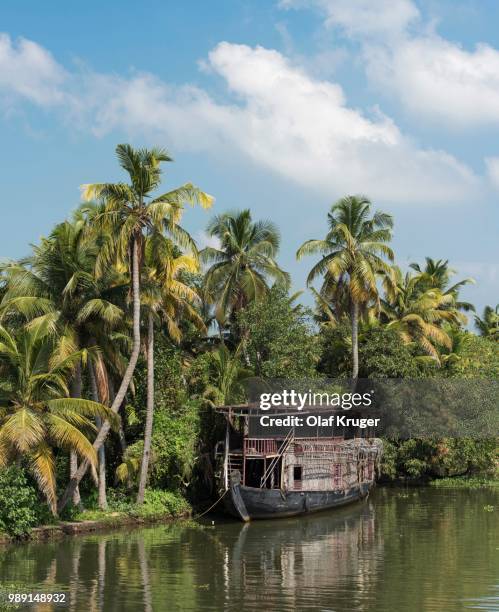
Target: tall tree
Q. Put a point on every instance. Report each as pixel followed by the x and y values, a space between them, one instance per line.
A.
pixel 36 414
pixel 165 299
pixel 58 281
pixel 243 263
pixel 419 312
pixel 488 324
pixel 353 257
pixel 436 274
pixel 130 211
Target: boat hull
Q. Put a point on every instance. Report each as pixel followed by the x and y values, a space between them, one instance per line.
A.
pixel 249 503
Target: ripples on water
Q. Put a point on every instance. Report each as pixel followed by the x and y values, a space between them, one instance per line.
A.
pixel 401 550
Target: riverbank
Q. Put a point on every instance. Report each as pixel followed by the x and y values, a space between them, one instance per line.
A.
pixel 108 522
pixel 464 482
pixel 158 507
pixel 166 507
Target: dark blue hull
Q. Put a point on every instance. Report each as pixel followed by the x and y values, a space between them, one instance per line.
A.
pixel 248 503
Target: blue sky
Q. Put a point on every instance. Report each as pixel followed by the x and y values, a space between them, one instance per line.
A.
pixel 281 107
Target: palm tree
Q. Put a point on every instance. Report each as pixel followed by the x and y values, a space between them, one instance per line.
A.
pixel 226 376
pixel 488 324
pixel 36 414
pixel 129 213
pixel 166 297
pixel 58 281
pixel 352 257
pixel 436 274
pixel 243 263
pixel 419 313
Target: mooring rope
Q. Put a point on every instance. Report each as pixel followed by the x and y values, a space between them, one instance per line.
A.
pixel 194 518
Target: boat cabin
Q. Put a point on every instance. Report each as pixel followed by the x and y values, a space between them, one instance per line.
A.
pixel 314 460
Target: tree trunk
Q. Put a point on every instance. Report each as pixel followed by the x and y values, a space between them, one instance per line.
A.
pixel 355 341
pixel 144 468
pixel 76 386
pixel 125 383
pixel 101 453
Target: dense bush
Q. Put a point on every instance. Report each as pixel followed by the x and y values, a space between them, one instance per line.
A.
pixel 382 354
pixel 281 342
pixel 479 358
pixel 18 503
pixel 176 429
pixel 160 503
pixel 424 459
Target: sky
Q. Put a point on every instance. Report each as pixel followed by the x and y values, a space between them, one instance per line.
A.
pixel 278 106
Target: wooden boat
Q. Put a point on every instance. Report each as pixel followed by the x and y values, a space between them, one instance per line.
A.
pixel 288 475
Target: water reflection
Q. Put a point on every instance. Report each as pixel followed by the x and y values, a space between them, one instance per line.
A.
pixel 400 550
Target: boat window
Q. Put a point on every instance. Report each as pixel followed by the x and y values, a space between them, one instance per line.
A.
pixel 297 472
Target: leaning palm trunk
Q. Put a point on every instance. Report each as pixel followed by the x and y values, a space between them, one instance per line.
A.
pixel 102 497
pixel 125 383
pixel 355 341
pixel 73 457
pixel 149 412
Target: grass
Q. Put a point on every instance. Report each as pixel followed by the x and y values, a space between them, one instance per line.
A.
pixel 157 504
pixel 465 482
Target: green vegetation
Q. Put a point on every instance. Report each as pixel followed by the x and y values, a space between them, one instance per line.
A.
pixel 17 503
pixel 118 338
pixel 157 504
pixel 465 482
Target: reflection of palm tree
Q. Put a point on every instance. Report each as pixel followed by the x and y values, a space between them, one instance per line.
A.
pixel 75 573
pixel 101 571
pixel 144 572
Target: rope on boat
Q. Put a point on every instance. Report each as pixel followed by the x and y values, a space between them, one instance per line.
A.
pixel 211 507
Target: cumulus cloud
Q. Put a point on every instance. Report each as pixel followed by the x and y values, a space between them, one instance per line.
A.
pixel 492 164
pixel 30 71
pixel 363 17
pixel 283 119
pixel 297 126
pixel 204 240
pixel 430 75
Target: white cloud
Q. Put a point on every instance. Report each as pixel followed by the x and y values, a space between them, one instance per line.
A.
pixel 28 70
pixel 363 17
pixel 297 126
pixel 430 75
pixel 284 120
pixel 204 240
pixel 492 164
pixel 436 78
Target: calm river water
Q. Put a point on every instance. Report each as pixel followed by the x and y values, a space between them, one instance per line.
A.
pixel 401 550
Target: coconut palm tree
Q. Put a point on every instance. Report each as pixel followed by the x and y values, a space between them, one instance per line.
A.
pixel 227 375
pixel 488 324
pixel 165 298
pixel 436 274
pixel 58 281
pixel 243 264
pixel 352 258
pixel 419 313
pixel 36 414
pixel 129 212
